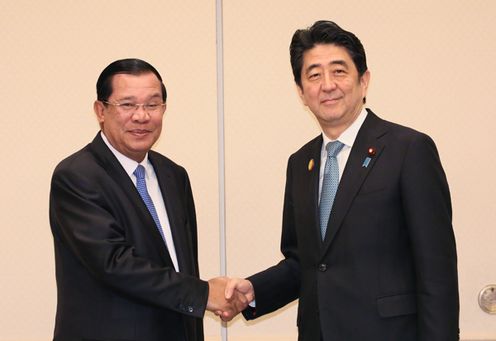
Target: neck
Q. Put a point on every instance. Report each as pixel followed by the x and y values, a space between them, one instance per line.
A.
pixel 333 130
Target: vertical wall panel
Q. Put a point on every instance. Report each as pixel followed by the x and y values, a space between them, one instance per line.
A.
pixel 52 54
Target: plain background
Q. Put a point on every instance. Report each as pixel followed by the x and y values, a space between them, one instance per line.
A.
pixel 432 65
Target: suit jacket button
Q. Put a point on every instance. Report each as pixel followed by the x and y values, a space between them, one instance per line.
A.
pixel 190 309
pixel 322 267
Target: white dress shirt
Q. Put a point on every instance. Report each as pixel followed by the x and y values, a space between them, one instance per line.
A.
pixel 153 188
pixel 347 138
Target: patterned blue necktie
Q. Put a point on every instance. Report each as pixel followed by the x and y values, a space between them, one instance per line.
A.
pixel 329 184
pixel 141 186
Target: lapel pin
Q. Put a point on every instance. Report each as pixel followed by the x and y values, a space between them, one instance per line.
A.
pixel 311 163
pixel 370 154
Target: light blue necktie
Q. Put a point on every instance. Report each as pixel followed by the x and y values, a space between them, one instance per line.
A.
pixel 141 186
pixel 329 184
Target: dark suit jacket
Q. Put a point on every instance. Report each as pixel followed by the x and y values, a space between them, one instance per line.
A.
pixel 115 278
pixel 387 269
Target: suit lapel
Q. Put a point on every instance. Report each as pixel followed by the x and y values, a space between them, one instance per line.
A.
pixel 355 172
pixel 313 188
pixel 175 212
pixel 118 174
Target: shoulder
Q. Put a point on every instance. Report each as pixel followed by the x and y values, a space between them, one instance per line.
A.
pixel 309 148
pixel 80 161
pixel 395 132
pixel 95 155
pixel 409 145
pixel 79 172
pixel 162 163
pixel 410 138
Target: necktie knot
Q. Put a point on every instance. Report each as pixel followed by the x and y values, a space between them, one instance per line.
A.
pixel 333 148
pixel 139 172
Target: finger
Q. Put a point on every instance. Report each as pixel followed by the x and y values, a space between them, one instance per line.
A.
pixel 227 316
pixel 226 319
pixel 240 306
pixel 241 297
pixel 250 296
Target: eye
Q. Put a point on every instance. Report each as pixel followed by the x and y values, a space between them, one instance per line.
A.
pixel 127 106
pixel 313 75
pixel 152 106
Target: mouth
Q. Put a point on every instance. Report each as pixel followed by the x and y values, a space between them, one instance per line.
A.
pixel 329 101
pixel 139 132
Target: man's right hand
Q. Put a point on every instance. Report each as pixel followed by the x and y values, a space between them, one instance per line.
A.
pixel 236 286
pixel 221 305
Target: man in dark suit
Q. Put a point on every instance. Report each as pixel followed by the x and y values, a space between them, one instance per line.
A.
pixel 380 263
pixel 124 225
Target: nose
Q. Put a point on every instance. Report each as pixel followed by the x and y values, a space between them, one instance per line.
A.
pixel 140 114
pixel 328 83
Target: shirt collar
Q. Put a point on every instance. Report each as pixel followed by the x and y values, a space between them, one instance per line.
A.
pixel 128 164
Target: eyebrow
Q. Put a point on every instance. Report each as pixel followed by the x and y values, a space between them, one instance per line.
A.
pixel 132 98
pixel 157 95
pixel 334 62
pixel 339 62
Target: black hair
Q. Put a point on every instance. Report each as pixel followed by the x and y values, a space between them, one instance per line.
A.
pixel 325 32
pixel 130 66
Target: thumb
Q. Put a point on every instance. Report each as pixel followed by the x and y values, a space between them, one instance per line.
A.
pixel 229 290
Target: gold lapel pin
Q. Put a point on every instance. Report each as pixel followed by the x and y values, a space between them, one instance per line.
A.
pixel 311 163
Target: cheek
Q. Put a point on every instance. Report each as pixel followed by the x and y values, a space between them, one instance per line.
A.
pixel 123 124
pixel 156 125
pixel 311 97
pixel 157 122
pixel 113 125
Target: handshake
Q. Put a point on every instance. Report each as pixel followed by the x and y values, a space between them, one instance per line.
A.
pixel 229 296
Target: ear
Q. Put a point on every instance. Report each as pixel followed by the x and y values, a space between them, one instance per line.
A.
pixel 301 94
pixel 99 109
pixel 364 82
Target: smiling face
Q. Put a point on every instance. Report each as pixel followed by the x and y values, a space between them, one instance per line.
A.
pixel 133 134
pixel 331 87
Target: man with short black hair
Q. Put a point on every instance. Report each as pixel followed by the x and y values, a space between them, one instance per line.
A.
pixel 367 237
pixel 124 225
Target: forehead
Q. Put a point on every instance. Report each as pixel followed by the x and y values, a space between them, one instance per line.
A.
pixel 325 54
pixel 135 85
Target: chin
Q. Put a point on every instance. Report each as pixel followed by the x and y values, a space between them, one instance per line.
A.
pixel 331 117
pixel 140 147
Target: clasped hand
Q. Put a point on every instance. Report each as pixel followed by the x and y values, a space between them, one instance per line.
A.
pixel 229 296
